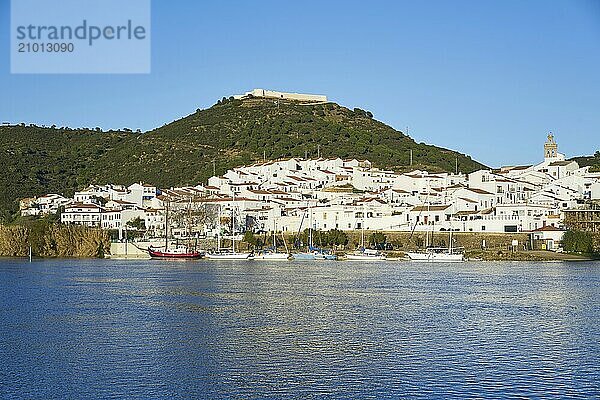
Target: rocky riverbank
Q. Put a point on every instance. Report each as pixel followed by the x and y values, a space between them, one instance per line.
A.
pixel 53 241
pixel 529 255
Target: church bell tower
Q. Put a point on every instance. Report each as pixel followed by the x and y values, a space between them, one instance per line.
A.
pixel 550 147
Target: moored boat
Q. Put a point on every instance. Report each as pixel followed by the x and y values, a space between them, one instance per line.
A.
pixel 315 254
pixel 177 252
pixel 271 255
pixel 363 254
pixel 228 255
pixel 366 255
pixel 437 254
pixel 180 251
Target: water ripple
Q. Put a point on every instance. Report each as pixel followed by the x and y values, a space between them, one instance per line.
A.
pixel 115 329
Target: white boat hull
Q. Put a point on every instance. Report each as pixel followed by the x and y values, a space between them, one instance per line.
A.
pixel 272 256
pixel 435 257
pixel 314 256
pixel 356 257
pixel 228 256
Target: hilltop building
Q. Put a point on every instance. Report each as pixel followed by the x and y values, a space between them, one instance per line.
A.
pixel 271 94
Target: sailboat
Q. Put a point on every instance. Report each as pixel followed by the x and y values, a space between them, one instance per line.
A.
pixel 312 253
pixel 177 252
pixel 438 254
pixel 363 254
pixel 226 254
pixel 272 253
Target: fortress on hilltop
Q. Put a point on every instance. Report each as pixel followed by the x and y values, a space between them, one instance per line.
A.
pixel 271 94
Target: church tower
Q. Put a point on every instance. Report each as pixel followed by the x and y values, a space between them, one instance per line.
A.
pixel 550 147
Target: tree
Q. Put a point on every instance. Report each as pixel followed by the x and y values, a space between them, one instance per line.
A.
pixel 377 238
pixel 250 239
pixel 337 238
pixel 137 224
pixel 99 200
pixel 578 242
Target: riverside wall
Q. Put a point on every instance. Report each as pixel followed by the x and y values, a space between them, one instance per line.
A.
pixel 83 242
pixel 405 241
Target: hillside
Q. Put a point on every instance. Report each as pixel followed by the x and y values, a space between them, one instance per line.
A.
pixel 589 161
pixel 230 133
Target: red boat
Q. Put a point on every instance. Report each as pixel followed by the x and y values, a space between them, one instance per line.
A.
pixel 179 252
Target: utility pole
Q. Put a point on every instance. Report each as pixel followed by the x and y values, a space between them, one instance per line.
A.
pixel 411 157
pixel 456 165
pixel 318 151
pixel 214 168
pixel 264 155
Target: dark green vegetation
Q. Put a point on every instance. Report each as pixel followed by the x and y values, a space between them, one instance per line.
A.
pixel 330 238
pixel 231 133
pixel 578 242
pixel 589 161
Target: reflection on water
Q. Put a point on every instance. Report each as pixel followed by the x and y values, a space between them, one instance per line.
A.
pixel 148 329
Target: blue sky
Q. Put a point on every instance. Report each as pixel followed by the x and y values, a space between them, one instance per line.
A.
pixel 488 78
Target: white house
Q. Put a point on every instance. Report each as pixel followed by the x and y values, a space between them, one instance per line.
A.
pixel 82 214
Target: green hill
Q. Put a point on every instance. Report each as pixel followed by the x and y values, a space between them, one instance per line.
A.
pixel 231 133
pixel 589 161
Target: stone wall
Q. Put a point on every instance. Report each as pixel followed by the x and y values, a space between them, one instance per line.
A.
pixel 469 240
pixel 404 241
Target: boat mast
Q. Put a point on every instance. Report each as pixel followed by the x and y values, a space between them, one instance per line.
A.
pixel 362 233
pixel 310 223
pixel 429 214
pixel 274 240
pixel 233 223
pixel 167 225
pixel 284 243
pixel 219 231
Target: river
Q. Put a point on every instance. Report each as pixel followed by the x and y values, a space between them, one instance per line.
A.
pixel 200 329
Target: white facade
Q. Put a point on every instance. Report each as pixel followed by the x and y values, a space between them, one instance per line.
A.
pixel 332 193
pixel 82 214
pixel 271 94
pixel 47 204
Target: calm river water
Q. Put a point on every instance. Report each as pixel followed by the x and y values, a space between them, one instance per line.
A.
pixel 151 329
